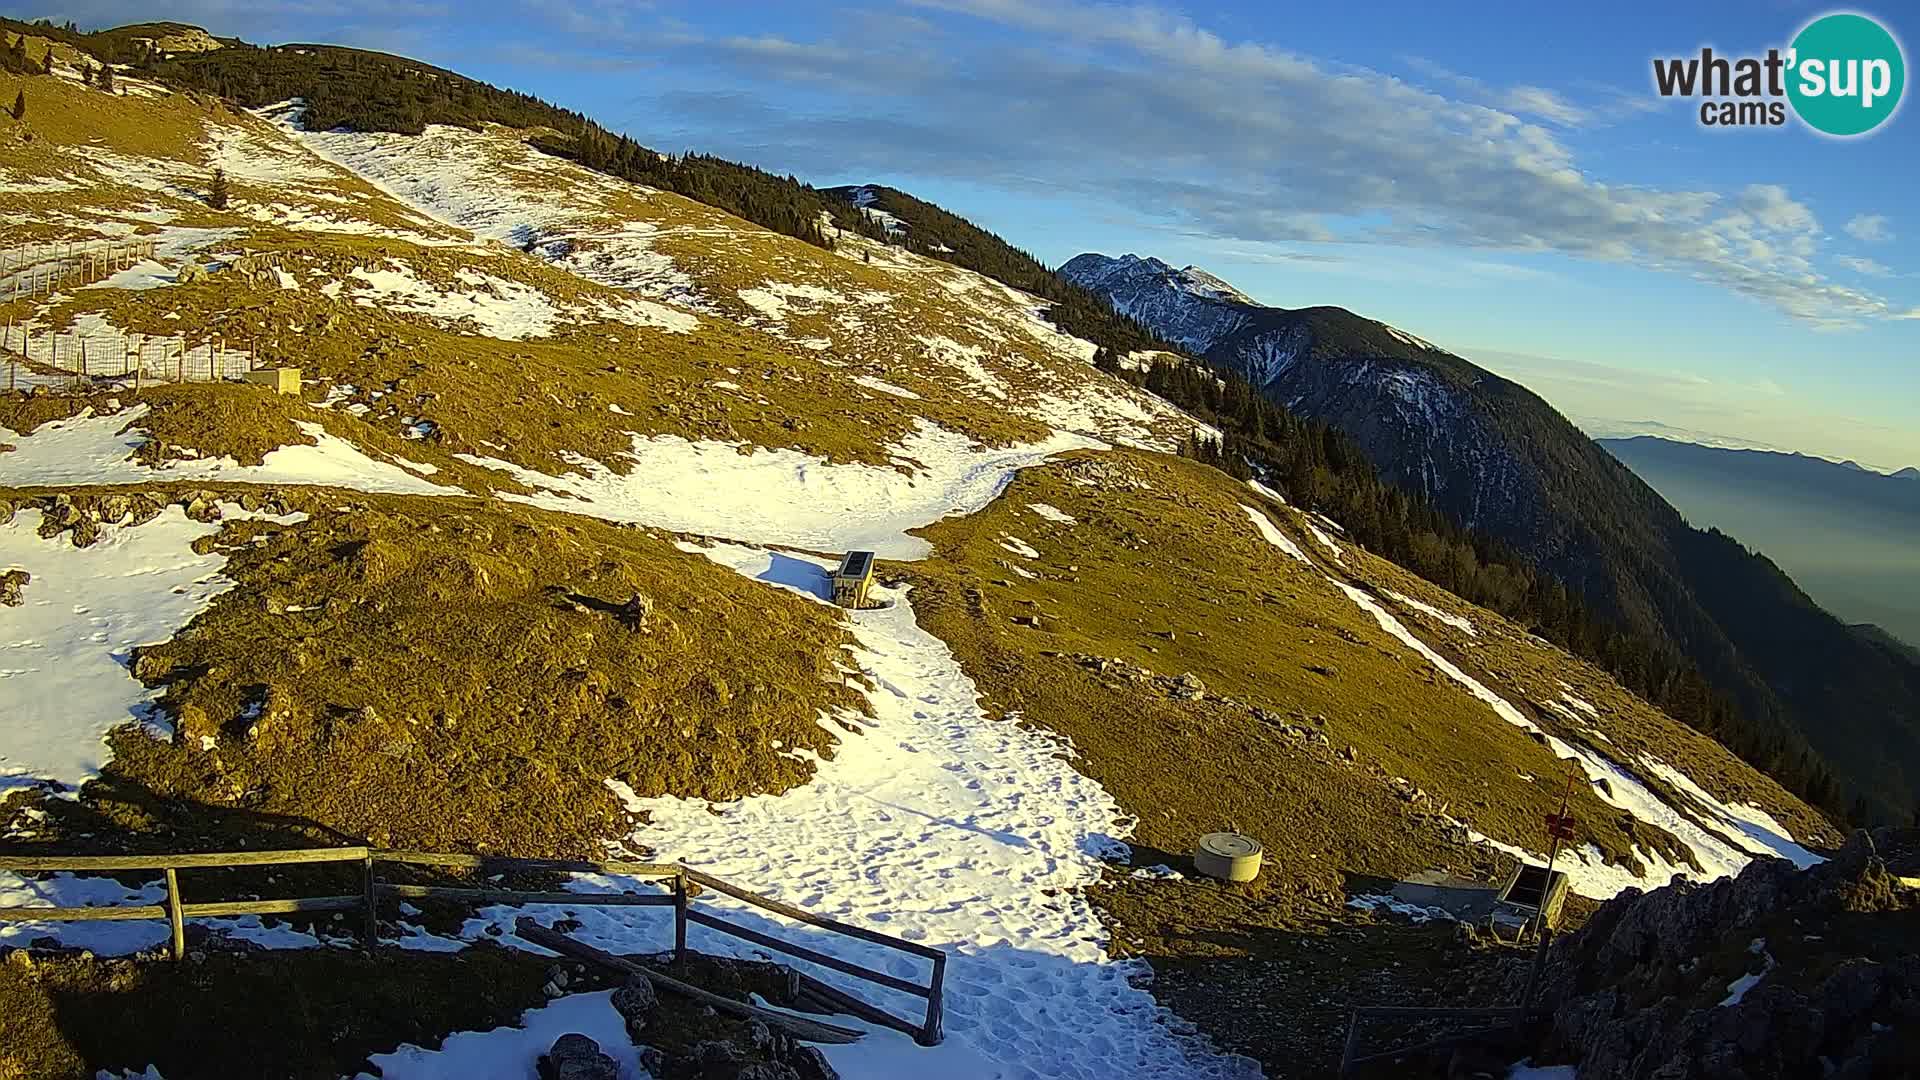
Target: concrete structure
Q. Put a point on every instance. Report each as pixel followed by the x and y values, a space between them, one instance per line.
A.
pixel 282 380
pixel 1465 899
pixel 1227 856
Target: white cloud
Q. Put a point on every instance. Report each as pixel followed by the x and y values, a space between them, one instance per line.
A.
pixel 1245 142
pixel 1871 228
pixel 1865 266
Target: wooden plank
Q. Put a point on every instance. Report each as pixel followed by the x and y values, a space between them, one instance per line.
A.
pixel 837 1000
pixel 176 920
pixel 512 896
pixel 804 953
pixel 271 907
pixel 798 1027
pixel 82 914
pixel 810 918
pixel 99 863
pixel 502 862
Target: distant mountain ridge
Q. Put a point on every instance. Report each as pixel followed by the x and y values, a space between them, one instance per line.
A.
pixel 1847 534
pixel 1496 456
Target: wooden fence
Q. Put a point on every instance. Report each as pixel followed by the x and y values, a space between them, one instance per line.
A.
pixel 44 268
pixel 681 879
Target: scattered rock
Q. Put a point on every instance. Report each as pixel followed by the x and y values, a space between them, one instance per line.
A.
pixel 636 611
pixel 1188 687
pixel 203 506
pixel 576 1057
pixel 113 509
pixel 635 1003
pixel 11 583
pixel 86 532
pixel 811 1064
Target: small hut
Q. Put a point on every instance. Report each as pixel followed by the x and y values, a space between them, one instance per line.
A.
pixel 854 578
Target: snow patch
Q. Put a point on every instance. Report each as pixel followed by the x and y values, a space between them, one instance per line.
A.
pixel 65 653
pixel 786 497
pixel 89 449
pixel 1273 535
pixel 1456 621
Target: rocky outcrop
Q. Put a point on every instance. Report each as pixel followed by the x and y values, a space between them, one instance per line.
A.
pixel 1776 973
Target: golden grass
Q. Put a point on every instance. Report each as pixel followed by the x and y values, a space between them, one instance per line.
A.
pixel 456 675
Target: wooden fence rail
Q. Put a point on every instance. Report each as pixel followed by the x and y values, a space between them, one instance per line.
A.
pixel 680 878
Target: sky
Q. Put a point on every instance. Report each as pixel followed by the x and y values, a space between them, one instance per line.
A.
pixel 1509 186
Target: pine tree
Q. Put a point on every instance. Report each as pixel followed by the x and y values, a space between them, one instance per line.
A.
pixel 20 105
pixel 86 74
pixel 106 78
pixel 46 62
pixel 217 195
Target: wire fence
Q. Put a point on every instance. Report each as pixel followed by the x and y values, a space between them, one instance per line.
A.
pixel 43 268
pixel 41 358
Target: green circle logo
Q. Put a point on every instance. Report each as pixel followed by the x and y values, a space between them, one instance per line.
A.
pixel 1847 74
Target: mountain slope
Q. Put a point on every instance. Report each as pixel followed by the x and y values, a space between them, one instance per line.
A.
pixel 1498 458
pixel 1846 535
pixel 537 560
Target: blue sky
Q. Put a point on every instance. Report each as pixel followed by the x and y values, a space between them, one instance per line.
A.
pixel 1507 185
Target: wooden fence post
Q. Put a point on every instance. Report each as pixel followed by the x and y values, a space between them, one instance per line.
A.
pixel 679 916
pixel 176 920
pixel 370 933
pixel 930 1034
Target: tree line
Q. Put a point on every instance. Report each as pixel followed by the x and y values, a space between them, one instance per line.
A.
pixel 1319 467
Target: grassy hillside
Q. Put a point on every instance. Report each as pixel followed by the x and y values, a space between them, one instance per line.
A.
pixel 453 674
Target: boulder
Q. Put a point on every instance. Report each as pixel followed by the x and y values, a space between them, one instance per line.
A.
pixel 1188 687
pixel 577 1057
pixel 11 583
pixel 635 1003
pixel 113 509
pixel 202 507
pixel 189 273
pixel 86 532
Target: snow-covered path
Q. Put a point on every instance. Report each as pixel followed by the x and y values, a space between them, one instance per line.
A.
pixel 941 826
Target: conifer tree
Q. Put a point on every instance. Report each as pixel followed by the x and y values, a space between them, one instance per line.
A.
pixel 217 195
pixel 86 74
pixel 20 105
pixel 105 81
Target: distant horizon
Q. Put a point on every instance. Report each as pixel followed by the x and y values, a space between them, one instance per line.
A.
pixel 1626 430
